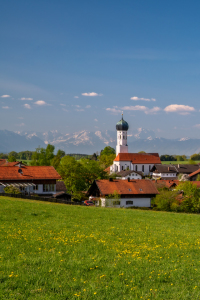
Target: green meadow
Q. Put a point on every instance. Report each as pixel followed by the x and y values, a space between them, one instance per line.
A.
pixel 55 251
pixel 185 162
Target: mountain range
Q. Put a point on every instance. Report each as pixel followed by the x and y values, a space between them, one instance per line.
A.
pixel 88 142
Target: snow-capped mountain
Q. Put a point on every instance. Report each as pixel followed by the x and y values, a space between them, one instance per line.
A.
pixel 88 142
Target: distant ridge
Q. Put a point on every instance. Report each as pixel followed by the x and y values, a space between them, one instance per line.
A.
pixel 90 142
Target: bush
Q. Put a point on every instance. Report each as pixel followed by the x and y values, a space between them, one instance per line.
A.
pixel 12 190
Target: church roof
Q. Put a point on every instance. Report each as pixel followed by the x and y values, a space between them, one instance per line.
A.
pixel 122 125
pixel 139 158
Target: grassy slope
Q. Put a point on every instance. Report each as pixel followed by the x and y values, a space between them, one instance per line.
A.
pixel 54 251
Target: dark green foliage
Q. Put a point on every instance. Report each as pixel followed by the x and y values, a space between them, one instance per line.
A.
pixel 167 157
pixel 195 156
pixel 185 198
pixel 3 156
pixel 164 200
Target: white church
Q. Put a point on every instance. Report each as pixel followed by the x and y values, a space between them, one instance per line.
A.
pixel 138 162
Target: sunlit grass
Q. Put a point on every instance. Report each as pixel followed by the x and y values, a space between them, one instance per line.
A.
pixel 55 251
pixel 185 162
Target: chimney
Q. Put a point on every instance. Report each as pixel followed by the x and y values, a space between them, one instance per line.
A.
pixel 168 168
pixel 178 166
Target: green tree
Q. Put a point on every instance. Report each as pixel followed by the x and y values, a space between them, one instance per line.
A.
pixel 195 156
pixel 167 157
pixel 108 151
pixel 191 197
pixel 106 160
pixel 42 156
pixel 11 158
pixel 13 153
pixel 141 152
pixel 73 174
pixel 55 162
pixel 93 171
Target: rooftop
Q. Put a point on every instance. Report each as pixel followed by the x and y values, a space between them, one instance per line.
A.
pixel 139 158
pixel 125 187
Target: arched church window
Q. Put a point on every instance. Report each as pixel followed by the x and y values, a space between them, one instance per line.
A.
pixel 136 168
pixel 142 168
pixel 120 137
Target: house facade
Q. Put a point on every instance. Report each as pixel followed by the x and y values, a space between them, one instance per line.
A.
pixel 39 180
pixel 124 175
pixel 131 192
pixel 172 171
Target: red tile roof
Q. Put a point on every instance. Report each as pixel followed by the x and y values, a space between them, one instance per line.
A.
pixel 125 187
pixel 195 173
pixel 10 164
pixel 107 170
pixel 2 162
pixel 139 158
pixel 166 183
pixel 28 172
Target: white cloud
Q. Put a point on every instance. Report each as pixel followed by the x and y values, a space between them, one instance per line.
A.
pixel 181 109
pixel 63 104
pixel 95 120
pixel 40 102
pixel 197 126
pixel 88 106
pixel 114 110
pixel 79 109
pixel 5 107
pixel 76 97
pixel 144 99
pixel 136 107
pixel 5 96
pixel 91 94
pixel 64 109
pixel 145 109
pixel 153 110
pixel 26 98
pixel 22 124
pixel 27 106
pixel 77 106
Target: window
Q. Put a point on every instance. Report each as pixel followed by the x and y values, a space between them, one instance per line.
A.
pixel 129 202
pixel 122 168
pixel 142 168
pixel 149 168
pixel 136 168
pixel 35 188
pixel 120 137
pixel 117 168
pixel 48 187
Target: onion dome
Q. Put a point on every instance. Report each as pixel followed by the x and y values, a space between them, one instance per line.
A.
pixel 122 125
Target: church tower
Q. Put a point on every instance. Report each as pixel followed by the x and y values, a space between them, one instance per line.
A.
pixel 122 128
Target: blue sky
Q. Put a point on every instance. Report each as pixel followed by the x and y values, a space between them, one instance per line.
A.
pixel 74 65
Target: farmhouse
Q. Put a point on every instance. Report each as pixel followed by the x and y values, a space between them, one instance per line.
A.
pixel 131 192
pixel 139 162
pixel 40 180
pixel 172 171
pixel 193 176
pixel 129 174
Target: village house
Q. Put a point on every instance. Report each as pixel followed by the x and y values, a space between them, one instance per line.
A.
pixel 131 192
pixel 172 171
pixel 138 162
pixel 193 176
pixel 128 174
pixel 39 180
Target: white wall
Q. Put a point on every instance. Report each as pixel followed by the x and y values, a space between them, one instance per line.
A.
pixel 139 202
pixel 164 174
